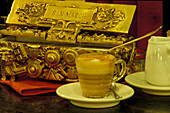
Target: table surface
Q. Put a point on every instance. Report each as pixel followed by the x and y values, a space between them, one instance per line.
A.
pixel 140 102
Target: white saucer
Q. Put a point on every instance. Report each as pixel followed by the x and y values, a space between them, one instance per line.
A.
pixel 138 80
pixel 72 92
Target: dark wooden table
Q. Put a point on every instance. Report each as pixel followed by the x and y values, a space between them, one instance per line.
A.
pixel 12 102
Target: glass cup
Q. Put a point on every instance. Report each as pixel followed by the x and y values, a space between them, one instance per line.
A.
pixel 96 73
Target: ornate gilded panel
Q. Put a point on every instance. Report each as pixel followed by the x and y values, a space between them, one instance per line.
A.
pixel 65 21
pixel 50 62
pixel 92 16
pixel 67 29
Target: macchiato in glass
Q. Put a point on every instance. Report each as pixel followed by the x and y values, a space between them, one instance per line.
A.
pixel 95 73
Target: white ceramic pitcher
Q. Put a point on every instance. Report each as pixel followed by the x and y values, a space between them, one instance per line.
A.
pixel 157 63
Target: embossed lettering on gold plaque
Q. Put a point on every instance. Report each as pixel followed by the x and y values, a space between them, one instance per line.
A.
pixel 64 13
pixel 86 15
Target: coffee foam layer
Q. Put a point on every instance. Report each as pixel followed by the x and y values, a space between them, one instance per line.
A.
pixel 96 57
pixel 95 63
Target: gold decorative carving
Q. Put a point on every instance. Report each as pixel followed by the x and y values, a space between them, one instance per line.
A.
pixel 101 38
pixel 98 18
pixel 52 57
pixel 69 56
pixel 69 13
pixel 107 18
pixel 31 13
pixel 51 62
pixel 87 16
pixel 62 31
pixel 33 32
pixel 74 27
pixel 63 21
pixel 7 58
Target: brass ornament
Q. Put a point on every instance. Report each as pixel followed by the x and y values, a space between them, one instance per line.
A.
pixel 51 62
pixel 34 68
pixel 69 56
pixel 31 12
pixel 7 57
pixel 84 15
pixel 52 57
pixel 51 34
pixel 107 18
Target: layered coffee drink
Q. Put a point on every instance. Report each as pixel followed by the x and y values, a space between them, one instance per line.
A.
pixel 95 73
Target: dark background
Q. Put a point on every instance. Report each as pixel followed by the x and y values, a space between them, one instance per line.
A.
pixel 166 16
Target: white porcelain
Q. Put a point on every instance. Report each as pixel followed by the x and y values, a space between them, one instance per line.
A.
pixel 157 61
pixel 72 92
pixel 138 80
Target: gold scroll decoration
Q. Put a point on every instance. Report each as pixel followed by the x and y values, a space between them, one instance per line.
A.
pixel 51 62
pixel 88 16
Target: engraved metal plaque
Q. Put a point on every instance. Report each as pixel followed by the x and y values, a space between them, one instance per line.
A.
pixel 88 16
pixel 70 14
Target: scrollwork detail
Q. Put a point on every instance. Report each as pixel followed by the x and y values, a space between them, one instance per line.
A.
pixel 106 18
pixel 31 12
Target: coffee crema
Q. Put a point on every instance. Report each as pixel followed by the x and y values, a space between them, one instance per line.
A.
pixel 91 62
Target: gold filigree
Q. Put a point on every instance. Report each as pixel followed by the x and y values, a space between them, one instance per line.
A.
pixel 63 23
pixel 34 68
pixel 52 57
pixel 14 30
pixel 69 56
pixel 7 58
pixel 63 31
pixel 51 62
pixel 73 26
pixel 103 38
pixel 90 16
pixel 31 13
pixel 106 18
